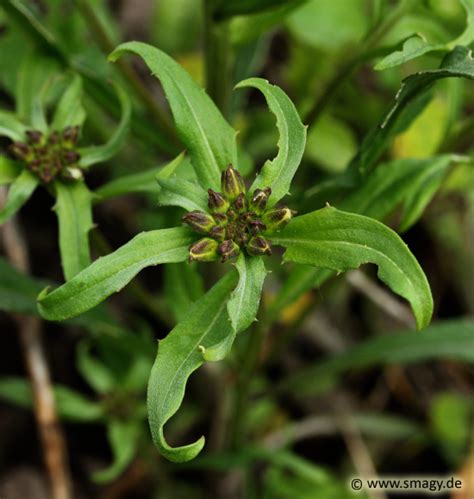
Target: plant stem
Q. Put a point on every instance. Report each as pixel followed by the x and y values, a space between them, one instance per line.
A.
pixel 348 67
pixel 107 46
pixel 29 331
pixel 217 59
pixel 248 367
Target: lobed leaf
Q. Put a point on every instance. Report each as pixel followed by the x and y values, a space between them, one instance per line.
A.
pixel 74 211
pixel 278 173
pixel 245 299
pixel 179 355
pixel 209 139
pixel 337 240
pixel 20 191
pixel 98 154
pixel 109 274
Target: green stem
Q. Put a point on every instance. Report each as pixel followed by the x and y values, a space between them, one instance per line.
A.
pixel 217 59
pixel 348 67
pixel 248 367
pixel 107 46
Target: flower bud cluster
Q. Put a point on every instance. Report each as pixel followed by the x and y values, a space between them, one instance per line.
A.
pixel 236 220
pixel 50 156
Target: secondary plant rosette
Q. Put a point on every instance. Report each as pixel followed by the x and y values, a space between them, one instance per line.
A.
pixel 50 154
pixel 229 221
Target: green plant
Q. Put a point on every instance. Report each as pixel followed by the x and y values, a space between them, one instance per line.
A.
pixel 352 166
pixel 326 238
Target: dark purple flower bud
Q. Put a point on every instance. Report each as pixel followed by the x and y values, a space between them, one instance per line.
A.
pixel 35 164
pixel 34 137
pixel 256 226
pixel 53 138
pixel 278 218
pixel 258 246
pixel 220 218
pixel 70 136
pixel 240 203
pixel 42 152
pixel 217 233
pixel 199 221
pixel 21 151
pixel 71 157
pixel 217 202
pixel 205 250
pixel 232 183
pixel 228 249
pixel 259 199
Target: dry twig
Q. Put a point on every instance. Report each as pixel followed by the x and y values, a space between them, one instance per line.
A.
pixel 29 330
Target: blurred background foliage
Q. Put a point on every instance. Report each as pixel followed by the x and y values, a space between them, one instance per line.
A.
pixel 345 386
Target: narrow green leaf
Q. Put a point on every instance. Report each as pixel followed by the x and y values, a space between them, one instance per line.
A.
pixel 123 437
pixel 453 340
pixel 245 299
pixel 179 355
pixel 278 173
pixel 407 182
pixel 340 241
pixel 69 111
pixel 97 374
pixel 143 182
pixel 411 182
pixel 422 192
pixel 467 37
pixel 98 154
pixel 416 45
pixel 111 273
pixel 409 101
pixel 183 286
pixel 208 138
pixel 179 192
pixel 11 126
pixel 18 291
pixel 30 24
pixel 72 406
pixel 413 47
pixel 74 210
pixel 9 170
pixel 37 77
pixel 18 194
pixel 247 29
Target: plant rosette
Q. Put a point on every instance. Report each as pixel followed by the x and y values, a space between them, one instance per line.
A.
pixel 232 222
pixel 49 154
